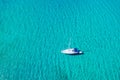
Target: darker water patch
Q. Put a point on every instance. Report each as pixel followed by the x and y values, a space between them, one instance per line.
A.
pixel 60 73
pixel 5 1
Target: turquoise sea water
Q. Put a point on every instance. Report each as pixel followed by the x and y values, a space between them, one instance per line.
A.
pixel 33 32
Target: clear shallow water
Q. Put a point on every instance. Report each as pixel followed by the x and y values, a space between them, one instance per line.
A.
pixel 32 33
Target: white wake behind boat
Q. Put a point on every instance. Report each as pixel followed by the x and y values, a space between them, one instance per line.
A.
pixel 73 51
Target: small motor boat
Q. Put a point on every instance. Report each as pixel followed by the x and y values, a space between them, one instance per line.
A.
pixel 72 51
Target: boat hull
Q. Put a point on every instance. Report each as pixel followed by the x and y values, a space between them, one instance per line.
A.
pixel 71 51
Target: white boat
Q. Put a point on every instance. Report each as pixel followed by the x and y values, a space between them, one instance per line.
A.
pixel 73 51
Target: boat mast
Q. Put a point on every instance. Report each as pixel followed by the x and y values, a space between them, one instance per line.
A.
pixel 69 43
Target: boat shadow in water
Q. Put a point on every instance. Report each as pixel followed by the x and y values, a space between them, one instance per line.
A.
pixel 75 54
